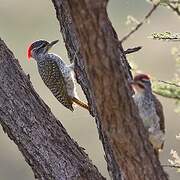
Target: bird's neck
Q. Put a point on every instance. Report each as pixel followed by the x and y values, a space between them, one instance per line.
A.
pixel 49 56
pixel 144 96
pixel 38 56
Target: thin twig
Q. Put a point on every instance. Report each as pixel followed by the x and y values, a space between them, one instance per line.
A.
pixel 171 166
pixel 132 50
pixel 177 97
pixel 175 9
pixel 140 23
pixel 174 2
pixel 169 83
pixel 167 96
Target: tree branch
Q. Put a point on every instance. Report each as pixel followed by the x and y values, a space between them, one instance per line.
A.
pixel 175 9
pixel 40 137
pixel 174 2
pixel 169 83
pixel 102 71
pixel 140 23
pixel 171 166
pixel 132 50
pixel 72 45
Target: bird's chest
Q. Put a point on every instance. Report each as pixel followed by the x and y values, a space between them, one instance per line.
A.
pixel 48 72
pixel 65 70
pixel 147 112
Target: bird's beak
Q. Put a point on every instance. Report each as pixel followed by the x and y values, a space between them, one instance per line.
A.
pixel 51 44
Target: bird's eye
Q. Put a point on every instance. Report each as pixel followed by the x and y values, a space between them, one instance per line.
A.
pixel 42 46
pixel 39 48
pixel 141 85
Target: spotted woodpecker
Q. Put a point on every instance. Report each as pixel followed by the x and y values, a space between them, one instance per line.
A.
pixel 57 76
pixel 150 110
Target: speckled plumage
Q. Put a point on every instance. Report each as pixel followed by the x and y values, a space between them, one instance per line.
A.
pixel 66 71
pixel 57 76
pixel 151 120
pixel 150 110
pixel 58 80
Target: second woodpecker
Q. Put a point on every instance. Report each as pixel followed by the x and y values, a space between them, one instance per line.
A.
pixel 150 110
pixel 58 76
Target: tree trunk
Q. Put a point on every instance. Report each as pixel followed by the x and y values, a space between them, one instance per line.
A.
pixel 41 138
pixel 102 71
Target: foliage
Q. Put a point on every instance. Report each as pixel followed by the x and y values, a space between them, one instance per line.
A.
pixel 166 89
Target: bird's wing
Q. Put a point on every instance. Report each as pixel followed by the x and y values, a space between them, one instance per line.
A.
pixel 159 111
pixel 54 80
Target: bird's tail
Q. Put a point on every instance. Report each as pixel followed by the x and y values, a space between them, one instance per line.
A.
pixel 80 103
pixel 156 152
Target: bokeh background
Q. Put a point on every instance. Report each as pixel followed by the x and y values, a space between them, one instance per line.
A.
pixel 22 22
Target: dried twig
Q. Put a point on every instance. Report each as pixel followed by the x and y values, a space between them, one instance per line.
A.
pixel 132 50
pixel 174 2
pixel 169 83
pixel 176 97
pixel 140 23
pixel 171 91
pixel 175 9
pixel 171 166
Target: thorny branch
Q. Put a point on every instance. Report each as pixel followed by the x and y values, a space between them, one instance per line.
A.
pixel 174 8
pixel 140 23
pixel 174 2
pixel 132 50
pixel 169 83
pixel 174 5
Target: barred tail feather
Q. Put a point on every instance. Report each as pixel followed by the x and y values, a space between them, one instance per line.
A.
pixel 80 103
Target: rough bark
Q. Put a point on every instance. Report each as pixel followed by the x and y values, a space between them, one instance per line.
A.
pixel 72 45
pixel 41 138
pixel 102 71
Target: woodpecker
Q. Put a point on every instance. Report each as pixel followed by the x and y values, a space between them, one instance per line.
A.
pixel 57 76
pixel 150 110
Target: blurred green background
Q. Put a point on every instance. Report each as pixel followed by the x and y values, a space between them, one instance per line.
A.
pixel 22 22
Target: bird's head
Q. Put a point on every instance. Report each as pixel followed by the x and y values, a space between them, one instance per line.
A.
pixel 39 47
pixel 141 83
